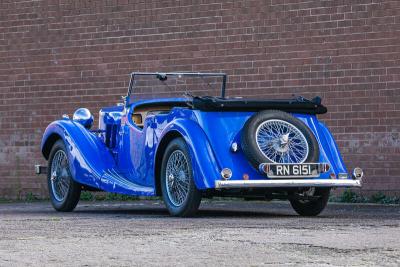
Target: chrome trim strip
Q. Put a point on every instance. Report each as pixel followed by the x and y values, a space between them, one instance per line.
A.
pixel 288 183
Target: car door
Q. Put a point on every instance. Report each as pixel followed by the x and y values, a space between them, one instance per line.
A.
pixel 135 159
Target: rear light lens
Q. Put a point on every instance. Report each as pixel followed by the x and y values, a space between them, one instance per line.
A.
pixel 324 167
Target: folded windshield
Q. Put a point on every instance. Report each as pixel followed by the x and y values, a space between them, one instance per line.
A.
pixel 148 85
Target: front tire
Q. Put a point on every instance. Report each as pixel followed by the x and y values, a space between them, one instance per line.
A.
pixel 63 190
pixel 180 195
pixel 312 207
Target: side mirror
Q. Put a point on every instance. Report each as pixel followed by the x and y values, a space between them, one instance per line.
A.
pixel 84 117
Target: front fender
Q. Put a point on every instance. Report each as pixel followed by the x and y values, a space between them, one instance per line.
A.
pixel 88 157
pixel 204 163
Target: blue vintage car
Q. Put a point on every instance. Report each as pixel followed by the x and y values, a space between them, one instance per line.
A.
pixel 187 148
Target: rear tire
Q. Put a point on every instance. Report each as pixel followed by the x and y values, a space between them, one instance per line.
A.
pixel 312 207
pixel 63 190
pixel 181 197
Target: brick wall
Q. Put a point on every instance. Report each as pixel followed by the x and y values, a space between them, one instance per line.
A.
pixel 56 56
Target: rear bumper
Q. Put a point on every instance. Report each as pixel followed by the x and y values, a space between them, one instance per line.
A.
pixel 288 183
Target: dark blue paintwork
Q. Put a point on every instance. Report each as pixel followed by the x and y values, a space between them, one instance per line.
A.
pixel 129 166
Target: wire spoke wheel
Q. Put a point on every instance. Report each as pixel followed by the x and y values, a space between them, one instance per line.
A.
pixel 178 188
pixel 60 176
pixel 63 190
pixel 177 178
pixel 281 142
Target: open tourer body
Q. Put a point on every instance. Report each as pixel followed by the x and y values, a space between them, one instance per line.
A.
pixel 187 148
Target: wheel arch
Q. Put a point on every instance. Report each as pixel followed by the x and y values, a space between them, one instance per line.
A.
pixel 205 166
pixel 48 144
pixel 168 137
pixel 88 156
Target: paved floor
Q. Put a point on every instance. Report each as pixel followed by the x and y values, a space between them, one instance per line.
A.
pixel 224 234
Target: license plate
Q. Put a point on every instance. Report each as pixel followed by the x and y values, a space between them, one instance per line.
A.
pixel 304 170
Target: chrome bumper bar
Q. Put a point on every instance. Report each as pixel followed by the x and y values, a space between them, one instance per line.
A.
pixel 288 183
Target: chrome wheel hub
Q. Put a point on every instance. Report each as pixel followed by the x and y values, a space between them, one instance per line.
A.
pixel 281 142
pixel 178 178
pixel 60 176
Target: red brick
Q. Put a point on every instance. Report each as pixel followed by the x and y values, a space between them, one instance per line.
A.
pixel 57 56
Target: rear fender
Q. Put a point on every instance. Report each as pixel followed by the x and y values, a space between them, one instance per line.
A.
pixel 88 156
pixel 224 128
pixel 204 163
pixel 329 151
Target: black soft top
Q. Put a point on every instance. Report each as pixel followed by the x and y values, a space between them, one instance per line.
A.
pixel 295 105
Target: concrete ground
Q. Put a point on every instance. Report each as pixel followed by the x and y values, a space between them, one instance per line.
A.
pixel 234 233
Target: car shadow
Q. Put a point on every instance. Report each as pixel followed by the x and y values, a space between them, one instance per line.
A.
pixel 162 212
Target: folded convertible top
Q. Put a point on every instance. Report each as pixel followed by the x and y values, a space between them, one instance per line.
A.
pixel 296 105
